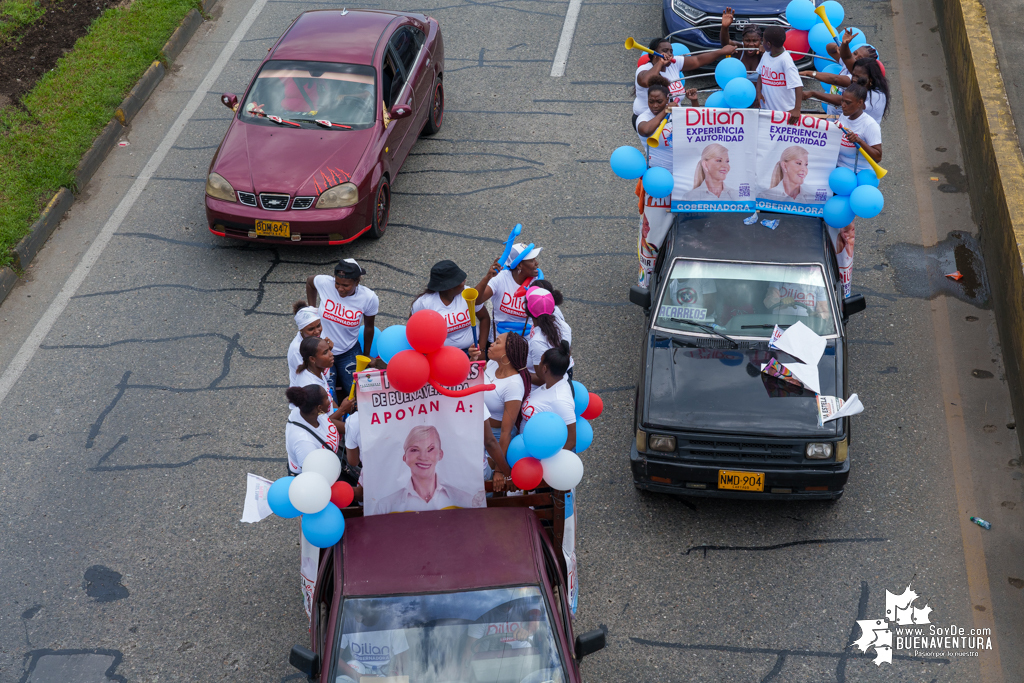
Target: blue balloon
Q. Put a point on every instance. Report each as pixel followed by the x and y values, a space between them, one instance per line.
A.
pixel 373 345
pixel 858 38
pixel 584 435
pixel 658 182
pixel 582 397
pixel 867 177
pixel 837 212
pixel 678 50
pixel 835 13
pixel 822 63
pixel 867 201
pixel 516 450
pixel 819 38
pixel 628 162
pixel 277 499
pixel 740 93
pixel 843 181
pixel 730 68
pixel 325 528
pixel 392 340
pixel 800 15
pixel 545 435
pixel 717 99
pixel 833 68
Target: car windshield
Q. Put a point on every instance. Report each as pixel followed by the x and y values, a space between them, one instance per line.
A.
pixel 305 92
pixel 744 299
pixel 501 635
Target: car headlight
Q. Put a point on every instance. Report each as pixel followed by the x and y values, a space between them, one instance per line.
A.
pixel 218 188
pixel 338 196
pixel 818 451
pixel 691 13
pixel 660 442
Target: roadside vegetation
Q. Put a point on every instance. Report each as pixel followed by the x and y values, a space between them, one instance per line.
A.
pixel 45 132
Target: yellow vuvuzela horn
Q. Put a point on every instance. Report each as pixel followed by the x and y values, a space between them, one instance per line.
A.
pixel 820 11
pixel 470 295
pixel 879 171
pixel 655 138
pixel 632 44
pixel 361 363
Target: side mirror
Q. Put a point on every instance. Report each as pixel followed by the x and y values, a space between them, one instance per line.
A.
pixel 305 660
pixel 641 296
pixel 230 100
pixel 854 303
pixel 400 111
pixel 590 642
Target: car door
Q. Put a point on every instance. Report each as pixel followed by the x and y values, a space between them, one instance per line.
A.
pixel 406 46
pixel 394 90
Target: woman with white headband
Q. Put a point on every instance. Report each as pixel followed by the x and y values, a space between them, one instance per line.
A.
pixel 307 319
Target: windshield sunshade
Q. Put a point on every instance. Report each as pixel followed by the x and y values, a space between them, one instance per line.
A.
pixel 744 299
pixel 501 635
pixel 303 93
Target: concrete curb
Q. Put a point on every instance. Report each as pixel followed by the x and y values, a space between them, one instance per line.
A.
pixel 61 202
pixel 993 161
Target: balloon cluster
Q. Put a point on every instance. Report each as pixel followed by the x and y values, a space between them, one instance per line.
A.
pixel 416 355
pixel 537 455
pixel 809 32
pixel 629 163
pixel 311 495
pixel 737 91
pixel 856 195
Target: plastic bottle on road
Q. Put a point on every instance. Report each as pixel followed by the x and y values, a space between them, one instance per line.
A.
pixel 982 523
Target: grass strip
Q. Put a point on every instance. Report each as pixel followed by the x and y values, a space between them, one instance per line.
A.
pixel 42 141
pixel 16 15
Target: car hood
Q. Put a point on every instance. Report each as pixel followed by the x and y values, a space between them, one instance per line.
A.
pixel 276 159
pixel 760 8
pixel 721 390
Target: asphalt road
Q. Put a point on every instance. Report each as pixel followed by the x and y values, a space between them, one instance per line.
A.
pixel 127 439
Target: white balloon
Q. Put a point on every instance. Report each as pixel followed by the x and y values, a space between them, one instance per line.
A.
pixel 309 493
pixel 562 471
pixel 324 462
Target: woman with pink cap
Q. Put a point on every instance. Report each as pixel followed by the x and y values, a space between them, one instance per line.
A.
pixel 549 329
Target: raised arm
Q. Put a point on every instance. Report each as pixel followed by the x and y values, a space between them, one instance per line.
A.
pixel 727 17
pixel 310 291
pixel 691 62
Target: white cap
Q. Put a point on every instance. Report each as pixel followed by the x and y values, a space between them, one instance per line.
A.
pixel 518 248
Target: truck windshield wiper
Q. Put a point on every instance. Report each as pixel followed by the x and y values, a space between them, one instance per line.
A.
pixel 707 328
pixel 762 327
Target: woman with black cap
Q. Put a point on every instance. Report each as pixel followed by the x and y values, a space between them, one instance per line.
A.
pixel 345 306
pixel 444 295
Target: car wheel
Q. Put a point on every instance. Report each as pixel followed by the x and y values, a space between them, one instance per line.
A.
pixel 381 210
pixel 436 116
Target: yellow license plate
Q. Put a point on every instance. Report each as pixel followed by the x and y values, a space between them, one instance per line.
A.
pixel 273 229
pixel 740 481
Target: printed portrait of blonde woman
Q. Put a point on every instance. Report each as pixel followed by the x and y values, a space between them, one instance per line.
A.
pixel 709 177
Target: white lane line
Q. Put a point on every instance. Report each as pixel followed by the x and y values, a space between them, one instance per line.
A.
pixel 565 42
pixel 81 271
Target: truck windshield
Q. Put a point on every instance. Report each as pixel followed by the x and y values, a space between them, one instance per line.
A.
pixel 744 299
pixel 501 635
pixel 301 93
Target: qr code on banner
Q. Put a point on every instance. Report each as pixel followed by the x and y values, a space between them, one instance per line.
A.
pixel 821 195
pixel 744 190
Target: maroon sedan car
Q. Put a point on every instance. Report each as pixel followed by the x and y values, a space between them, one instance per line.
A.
pixel 324 127
pixel 450 596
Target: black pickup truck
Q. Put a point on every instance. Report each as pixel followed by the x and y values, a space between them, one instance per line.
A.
pixel 708 422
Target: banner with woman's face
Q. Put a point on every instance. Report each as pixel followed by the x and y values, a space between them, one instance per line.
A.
pixel 420 451
pixel 713 155
pixel 794 163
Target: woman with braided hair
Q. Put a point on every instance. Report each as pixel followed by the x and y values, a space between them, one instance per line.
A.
pixel 506 370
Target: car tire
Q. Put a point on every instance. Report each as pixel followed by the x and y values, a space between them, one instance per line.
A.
pixel 435 117
pixel 381 210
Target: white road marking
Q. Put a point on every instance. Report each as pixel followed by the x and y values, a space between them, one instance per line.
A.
pixel 92 256
pixel 565 42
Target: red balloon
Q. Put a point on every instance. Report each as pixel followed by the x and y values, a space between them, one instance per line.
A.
pixel 527 474
pixel 797 41
pixel 408 371
pixel 448 366
pixel 342 494
pixel 881 66
pixel 426 331
pixel 594 408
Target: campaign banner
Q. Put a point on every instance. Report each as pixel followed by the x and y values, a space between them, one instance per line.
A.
pixel 569 551
pixel 420 451
pixel 794 162
pixel 712 159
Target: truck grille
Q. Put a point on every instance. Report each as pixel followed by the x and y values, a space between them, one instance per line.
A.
pixel 274 202
pixel 746 451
